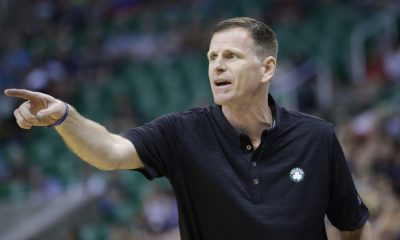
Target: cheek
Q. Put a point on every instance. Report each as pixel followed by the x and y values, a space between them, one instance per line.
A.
pixel 250 78
pixel 255 70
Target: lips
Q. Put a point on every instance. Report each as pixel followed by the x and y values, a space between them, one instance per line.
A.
pixel 222 82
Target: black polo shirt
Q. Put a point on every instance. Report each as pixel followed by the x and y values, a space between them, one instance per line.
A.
pixel 225 189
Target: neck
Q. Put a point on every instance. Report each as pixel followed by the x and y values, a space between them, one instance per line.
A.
pixel 251 119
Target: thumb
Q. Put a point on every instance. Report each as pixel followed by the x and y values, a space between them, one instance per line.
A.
pixel 54 111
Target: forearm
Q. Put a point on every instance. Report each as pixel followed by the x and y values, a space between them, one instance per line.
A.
pixel 94 144
pixel 89 140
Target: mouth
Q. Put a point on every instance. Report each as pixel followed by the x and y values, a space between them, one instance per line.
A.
pixel 222 82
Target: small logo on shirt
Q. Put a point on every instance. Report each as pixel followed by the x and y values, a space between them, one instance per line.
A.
pixel 296 174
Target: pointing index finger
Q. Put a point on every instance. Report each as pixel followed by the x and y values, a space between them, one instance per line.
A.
pixel 21 93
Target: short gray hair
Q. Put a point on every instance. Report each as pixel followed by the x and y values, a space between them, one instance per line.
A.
pixel 265 41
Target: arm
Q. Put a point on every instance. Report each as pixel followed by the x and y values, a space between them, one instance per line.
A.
pixel 364 233
pixel 89 140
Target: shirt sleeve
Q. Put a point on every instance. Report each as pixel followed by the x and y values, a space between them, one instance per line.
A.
pixel 157 145
pixel 346 210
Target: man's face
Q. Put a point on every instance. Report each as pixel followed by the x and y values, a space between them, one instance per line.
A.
pixel 234 70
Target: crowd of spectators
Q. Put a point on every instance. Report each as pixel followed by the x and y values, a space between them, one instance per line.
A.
pixel 58 47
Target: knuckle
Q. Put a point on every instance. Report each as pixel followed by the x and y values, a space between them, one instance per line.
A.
pixel 25 127
pixel 17 117
pixel 30 118
pixel 24 108
pixel 20 124
pixel 26 123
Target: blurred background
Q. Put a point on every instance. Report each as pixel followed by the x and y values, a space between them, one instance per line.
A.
pixel 125 62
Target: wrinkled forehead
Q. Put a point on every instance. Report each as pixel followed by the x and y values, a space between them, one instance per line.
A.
pixel 238 38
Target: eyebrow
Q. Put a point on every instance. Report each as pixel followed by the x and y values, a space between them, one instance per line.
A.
pixel 233 50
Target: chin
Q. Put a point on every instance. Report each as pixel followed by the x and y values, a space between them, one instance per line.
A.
pixel 221 101
pixel 223 98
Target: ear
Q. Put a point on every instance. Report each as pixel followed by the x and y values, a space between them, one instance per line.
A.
pixel 269 65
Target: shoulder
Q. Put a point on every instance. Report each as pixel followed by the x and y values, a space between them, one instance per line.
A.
pixel 307 122
pixel 309 131
pixel 197 113
pixel 189 116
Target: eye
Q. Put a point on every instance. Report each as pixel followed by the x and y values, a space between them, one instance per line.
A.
pixel 212 57
pixel 230 55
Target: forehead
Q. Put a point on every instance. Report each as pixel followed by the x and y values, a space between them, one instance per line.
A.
pixel 238 38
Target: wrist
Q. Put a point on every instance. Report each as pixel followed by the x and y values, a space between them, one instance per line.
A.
pixel 62 119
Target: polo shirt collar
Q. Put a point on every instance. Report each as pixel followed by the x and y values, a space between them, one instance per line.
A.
pixel 230 132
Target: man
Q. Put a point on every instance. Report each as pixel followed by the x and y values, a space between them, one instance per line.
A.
pixel 244 168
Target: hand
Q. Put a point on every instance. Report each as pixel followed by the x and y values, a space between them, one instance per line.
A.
pixel 39 110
